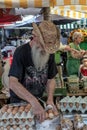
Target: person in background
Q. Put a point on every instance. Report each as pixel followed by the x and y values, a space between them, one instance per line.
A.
pixel 33 69
pixel 59 62
pixel 73 56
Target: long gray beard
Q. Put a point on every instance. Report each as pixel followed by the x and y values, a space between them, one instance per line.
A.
pixel 39 57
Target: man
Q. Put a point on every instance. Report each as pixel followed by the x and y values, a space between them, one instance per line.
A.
pixel 33 68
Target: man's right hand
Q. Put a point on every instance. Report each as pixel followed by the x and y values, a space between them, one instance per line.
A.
pixel 39 111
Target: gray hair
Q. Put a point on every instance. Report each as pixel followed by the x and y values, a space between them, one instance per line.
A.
pixel 77 34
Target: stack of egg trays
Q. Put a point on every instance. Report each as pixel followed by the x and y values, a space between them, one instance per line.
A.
pixel 19 121
pixel 77 104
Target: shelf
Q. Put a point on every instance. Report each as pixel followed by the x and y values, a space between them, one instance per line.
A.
pixel 76 94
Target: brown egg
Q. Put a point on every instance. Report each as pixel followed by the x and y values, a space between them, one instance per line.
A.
pixel 17 120
pixel 14 111
pixel 47 116
pixel 83 105
pixel 1 128
pixel 55 113
pixel 77 104
pixel 8 127
pixel 30 119
pixel 14 127
pixel 28 105
pixel 71 105
pixel 50 111
pixel 9 110
pixel 21 109
pixel 27 110
pixel 51 115
pixel 64 104
pixel 4 109
pixel 23 119
pixel 20 126
pixel 10 120
pixel 5 120
pixel 27 127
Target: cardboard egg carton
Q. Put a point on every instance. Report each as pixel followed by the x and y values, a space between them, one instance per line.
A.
pixel 73 104
pixel 16 115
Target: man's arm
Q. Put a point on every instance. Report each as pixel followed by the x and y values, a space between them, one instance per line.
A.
pixel 21 92
pixel 50 93
pixel 50 89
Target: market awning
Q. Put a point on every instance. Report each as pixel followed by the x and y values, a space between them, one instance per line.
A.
pixel 69 13
pixel 80 8
pixel 69 2
pixel 24 3
pixel 39 3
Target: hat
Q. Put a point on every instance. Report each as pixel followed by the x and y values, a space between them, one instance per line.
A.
pixel 49 36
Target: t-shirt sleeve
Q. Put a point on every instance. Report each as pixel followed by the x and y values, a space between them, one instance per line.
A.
pixel 16 69
pixel 52 68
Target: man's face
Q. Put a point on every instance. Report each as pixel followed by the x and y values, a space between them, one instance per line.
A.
pixel 36 40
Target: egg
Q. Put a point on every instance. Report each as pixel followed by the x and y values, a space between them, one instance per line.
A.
pixel 26 110
pixel 17 120
pixel 51 115
pixel 9 110
pixel 8 127
pixel 28 105
pixel 21 109
pixel 5 120
pixel 14 127
pixel 23 119
pixel 1 128
pixel 83 105
pixel 20 126
pixel 30 119
pixel 10 120
pixel 47 115
pixel 50 111
pixel 14 111
pixel 27 127
pixel 4 109
pixel 55 113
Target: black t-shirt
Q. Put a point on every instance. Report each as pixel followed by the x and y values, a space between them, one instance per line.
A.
pixel 23 68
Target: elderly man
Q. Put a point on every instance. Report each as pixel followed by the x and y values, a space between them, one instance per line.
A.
pixel 33 68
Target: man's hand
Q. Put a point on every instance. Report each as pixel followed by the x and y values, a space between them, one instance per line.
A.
pixel 39 111
pixel 54 107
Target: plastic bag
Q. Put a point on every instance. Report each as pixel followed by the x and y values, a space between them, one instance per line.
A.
pixel 48 124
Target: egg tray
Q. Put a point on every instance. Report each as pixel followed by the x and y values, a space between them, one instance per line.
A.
pixel 16 114
pixel 76 104
pixel 16 127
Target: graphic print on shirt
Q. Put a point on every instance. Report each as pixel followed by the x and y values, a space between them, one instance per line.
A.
pixel 35 81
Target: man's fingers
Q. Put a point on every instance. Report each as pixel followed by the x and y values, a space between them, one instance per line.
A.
pixel 41 116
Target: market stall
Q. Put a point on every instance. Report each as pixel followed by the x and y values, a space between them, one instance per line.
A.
pixel 20 116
